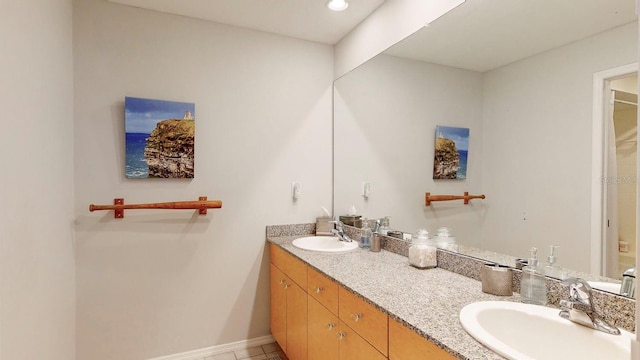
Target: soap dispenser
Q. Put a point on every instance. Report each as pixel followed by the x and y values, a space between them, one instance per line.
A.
pixel 365 235
pixel 533 287
pixel 553 270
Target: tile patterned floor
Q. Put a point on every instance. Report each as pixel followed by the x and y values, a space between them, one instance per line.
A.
pixel 265 352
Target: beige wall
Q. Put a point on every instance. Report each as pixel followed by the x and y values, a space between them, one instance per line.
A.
pixel 161 282
pixel 37 288
pixel 537 114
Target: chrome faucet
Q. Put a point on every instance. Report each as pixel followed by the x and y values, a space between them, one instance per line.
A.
pixel 339 231
pixel 579 308
pixel 628 287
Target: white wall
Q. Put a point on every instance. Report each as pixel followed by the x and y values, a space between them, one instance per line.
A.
pixel 163 282
pixel 391 22
pixel 386 112
pixel 37 288
pixel 537 146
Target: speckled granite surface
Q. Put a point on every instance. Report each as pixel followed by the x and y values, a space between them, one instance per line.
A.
pixel 288 230
pixel 427 301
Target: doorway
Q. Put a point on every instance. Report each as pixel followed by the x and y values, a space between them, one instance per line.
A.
pixel 611 216
pixel 624 95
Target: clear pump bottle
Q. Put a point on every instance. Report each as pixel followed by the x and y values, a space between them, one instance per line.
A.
pixel 553 270
pixel 384 226
pixel 365 235
pixel 533 288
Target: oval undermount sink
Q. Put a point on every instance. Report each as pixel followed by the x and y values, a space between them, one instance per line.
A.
pixel 324 244
pixel 520 331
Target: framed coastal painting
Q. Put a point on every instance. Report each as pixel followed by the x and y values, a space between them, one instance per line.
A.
pixel 159 137
pixel 451 153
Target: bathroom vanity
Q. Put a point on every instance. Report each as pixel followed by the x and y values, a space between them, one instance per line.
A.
pixel 364 305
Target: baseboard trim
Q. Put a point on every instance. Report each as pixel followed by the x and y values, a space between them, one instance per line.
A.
pixel 218 349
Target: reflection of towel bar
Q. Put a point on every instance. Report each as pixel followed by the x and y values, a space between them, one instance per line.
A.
pixel 428 198
pixel 201 205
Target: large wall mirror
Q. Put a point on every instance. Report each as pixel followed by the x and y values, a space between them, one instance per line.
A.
pixel 518 74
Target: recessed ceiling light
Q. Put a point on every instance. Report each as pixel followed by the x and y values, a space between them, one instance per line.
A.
pixel 337 5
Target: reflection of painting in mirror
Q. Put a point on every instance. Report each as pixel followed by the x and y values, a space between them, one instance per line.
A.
pixel 159 138
pixel 450 153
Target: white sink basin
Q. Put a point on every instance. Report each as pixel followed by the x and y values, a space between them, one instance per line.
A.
pixel 520 331
pixel 605 286
pixel 324 244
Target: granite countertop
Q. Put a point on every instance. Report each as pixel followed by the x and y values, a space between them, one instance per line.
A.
pixel 427 301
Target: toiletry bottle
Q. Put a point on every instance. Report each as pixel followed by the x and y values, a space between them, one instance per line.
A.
pixel 533 287
pixel 376 242
pixel 365 235
pixel 553 270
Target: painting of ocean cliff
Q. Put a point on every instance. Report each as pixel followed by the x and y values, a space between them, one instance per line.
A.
pixel 159 138
pixel 451 152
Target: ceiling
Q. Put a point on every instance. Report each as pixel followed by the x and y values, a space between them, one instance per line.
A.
pixel 302 19
pixel 481 35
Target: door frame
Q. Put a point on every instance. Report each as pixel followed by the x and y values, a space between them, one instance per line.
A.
pixel 599 144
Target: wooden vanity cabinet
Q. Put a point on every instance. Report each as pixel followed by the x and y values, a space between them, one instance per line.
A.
pixel 289 303
pixel 313 318
pixel 405 344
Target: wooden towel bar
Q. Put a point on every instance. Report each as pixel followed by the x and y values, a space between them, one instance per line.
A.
pixel 119 206
pixel 466 197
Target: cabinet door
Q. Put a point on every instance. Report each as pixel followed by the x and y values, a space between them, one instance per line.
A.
pixel 365 319
pixel 405 344
pixel 354 347
pixel 323 332
pixel 296 322
pixel 278 306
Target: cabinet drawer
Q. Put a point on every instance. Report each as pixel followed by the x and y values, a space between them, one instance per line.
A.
pixel 405 344
pixel 366 320
pixel 323 289
pixel 294 268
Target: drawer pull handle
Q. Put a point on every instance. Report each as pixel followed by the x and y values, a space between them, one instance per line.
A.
pixel 356 317
pixel 341 335
pixel 318 289
pixel 281 281
pixel 286 286
pixel 330 326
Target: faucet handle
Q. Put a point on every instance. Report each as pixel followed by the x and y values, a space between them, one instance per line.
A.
pixel 579 290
